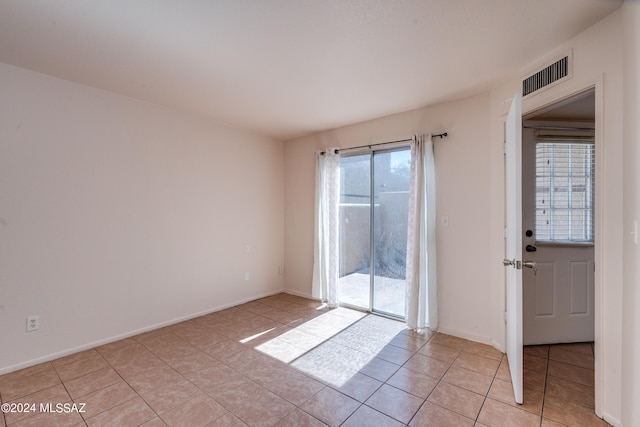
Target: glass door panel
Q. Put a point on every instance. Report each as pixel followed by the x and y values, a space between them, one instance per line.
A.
pixel 354 283
pixel 391 179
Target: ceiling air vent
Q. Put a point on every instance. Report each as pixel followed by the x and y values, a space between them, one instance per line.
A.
pixel 553 73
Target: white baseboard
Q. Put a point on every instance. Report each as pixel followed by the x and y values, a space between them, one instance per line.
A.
pixel 497 346
pixel 471 337
pixel 83 347
pixel 611 420
pixel 300 294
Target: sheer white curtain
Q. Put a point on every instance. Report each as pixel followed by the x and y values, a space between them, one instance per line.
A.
pixel 421 307
pixel 325 252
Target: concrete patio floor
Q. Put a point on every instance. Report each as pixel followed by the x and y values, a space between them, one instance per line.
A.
pixel 388 295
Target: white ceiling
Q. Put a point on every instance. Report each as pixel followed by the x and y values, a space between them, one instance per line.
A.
pixel 579 108
pixel 286 68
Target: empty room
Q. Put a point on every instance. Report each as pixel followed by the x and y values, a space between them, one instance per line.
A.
pixel 320 213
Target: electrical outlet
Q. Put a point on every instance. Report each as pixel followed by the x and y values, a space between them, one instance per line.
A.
pixel 281 269
pixel 246 275
pixel 33 323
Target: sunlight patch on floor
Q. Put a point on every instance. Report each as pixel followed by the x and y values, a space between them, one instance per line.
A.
pixel 300 340
pixel 335 346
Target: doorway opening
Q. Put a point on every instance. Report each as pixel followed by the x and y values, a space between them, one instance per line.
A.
pixel 373 214
pixel 558 183
pixel 558 179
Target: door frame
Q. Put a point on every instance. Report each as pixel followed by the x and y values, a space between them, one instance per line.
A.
pixel 547 99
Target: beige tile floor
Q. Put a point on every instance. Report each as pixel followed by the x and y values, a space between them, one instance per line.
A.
pixel 287 361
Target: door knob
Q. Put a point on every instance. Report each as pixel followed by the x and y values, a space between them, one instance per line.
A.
pixel 531 264
pixel 507 262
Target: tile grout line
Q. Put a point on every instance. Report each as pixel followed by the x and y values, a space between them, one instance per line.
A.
pixel 123 380
pixel 67 390
pixel 361 404
pixel 440 380
pixel 434 387
pixel 4 419
pixel 544 390
pixel 549 360
pixel 484 401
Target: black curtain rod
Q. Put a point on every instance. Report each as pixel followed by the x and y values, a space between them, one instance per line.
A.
pixel 439 135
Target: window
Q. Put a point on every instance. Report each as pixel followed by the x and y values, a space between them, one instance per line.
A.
pixel 564 192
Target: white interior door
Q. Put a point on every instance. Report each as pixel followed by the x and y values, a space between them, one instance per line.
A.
pixel 558 298
pixel 513 242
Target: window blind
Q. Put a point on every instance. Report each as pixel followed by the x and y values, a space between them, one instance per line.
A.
pixel 564 192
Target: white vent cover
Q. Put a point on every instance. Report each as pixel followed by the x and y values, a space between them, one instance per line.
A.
pixel 552 74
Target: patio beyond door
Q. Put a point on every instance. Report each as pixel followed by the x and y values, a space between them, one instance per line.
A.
pixel 374 202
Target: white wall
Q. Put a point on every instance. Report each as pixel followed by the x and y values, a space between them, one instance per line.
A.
pixel 631 193
pixel 463 185
pixel 118 215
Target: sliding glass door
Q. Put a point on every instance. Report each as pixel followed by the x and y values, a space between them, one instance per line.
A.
pixel 374 200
